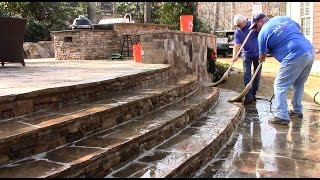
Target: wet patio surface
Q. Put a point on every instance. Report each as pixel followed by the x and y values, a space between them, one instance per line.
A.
pixel 259 149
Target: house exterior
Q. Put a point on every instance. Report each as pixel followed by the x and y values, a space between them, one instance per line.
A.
pixel 219 15
pixel 307 14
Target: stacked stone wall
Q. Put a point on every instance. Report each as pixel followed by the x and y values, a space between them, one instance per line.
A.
pixel 91 44
pixel 41 49
pixel 85 44
pixel 185 52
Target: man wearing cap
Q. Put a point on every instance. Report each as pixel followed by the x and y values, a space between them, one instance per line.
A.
pixel 281 36
pixel 250 54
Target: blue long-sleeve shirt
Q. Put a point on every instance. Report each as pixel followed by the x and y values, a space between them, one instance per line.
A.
pixel 251 47
pixel 281 36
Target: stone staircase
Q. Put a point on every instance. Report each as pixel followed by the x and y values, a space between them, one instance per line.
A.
pixel 191 148
pixel 145 125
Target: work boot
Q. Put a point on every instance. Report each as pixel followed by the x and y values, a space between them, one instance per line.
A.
pixel 281 121
pixel 247 101
pixel 295 114
pixel 254 98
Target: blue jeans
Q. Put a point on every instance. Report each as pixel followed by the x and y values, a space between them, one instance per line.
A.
pixel 247 63
pixel 292 72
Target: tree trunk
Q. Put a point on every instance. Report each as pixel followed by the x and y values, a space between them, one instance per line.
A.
pixel 113 9
pixel 217 16
pixel 147 12
pixel 232 14
pixel 91 10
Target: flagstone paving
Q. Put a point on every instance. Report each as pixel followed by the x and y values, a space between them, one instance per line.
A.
pixel 259 149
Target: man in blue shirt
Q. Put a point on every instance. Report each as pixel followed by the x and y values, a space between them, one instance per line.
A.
pixel 250 54
pixel 281 36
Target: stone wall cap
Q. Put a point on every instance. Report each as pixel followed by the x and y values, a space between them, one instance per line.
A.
pixel 146 24
pixel 78 30
pixel 174 31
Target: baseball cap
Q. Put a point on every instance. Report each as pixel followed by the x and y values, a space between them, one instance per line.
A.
pixel 255 19
pixel 238 19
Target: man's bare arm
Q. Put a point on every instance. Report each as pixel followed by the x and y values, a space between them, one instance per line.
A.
pixel 236 48
pixel 262 57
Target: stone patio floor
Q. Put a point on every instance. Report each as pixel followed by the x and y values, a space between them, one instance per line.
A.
pixel 259 149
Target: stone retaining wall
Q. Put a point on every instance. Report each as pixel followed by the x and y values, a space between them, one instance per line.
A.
pixel 91 44
pixel 85 44
pixel 133 29
pixel 41 49
pixel 185 52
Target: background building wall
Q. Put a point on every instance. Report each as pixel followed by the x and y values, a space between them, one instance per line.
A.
pixel 316 28
pixel 219 15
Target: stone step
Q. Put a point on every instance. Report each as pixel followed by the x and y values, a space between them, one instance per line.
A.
pixel 98 154
pixel 186 152
pixel 42 131
pixel 34 99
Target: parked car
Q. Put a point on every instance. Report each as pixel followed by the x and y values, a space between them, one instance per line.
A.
pixel 225 42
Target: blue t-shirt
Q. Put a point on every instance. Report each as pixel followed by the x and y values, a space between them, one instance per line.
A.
pixel 250 49
pixel 281 36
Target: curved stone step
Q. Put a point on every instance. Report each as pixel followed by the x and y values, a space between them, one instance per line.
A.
pixel 39 132
pixel 185 153
pixel 99 153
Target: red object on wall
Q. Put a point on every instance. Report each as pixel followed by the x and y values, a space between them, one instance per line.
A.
pixel 213 55
pixel 137 52
pixel 186 23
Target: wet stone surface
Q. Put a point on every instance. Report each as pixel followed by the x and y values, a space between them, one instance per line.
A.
pixel 182 153
pixel 72 154
pixel 100 151
pixel 50 128
pixel 37 168
pixel 260 149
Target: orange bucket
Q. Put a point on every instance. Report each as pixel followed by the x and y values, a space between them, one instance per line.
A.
pixel 137 52
pixel 186 23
